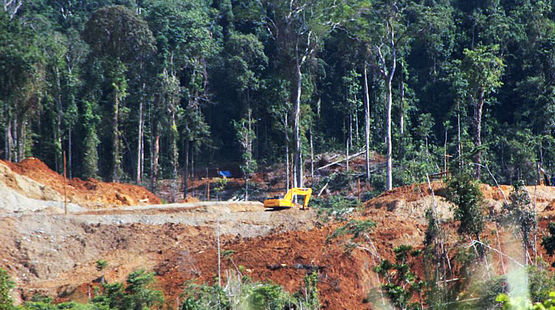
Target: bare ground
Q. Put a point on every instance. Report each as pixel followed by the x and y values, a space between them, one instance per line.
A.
pixel 50 253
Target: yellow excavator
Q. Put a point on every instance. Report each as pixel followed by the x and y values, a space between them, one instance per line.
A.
pixel 288 200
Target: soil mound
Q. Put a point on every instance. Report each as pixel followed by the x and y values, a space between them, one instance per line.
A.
pixel 414 200
pixel 91 193
pixel 22 194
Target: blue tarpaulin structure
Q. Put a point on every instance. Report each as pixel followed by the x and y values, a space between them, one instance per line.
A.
pixel 225 173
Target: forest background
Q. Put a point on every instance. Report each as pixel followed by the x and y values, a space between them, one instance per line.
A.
pixel 142 90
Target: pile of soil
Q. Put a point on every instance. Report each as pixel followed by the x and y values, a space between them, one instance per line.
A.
pixel 21 194
pixel 91 193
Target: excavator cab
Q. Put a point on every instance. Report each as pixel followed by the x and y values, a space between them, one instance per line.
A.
pixel 288 201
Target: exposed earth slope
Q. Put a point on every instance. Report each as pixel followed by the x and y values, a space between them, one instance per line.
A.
pixel 50 253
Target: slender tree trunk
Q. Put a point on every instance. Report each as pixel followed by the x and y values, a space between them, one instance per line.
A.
pixel 351 129
pixel 8 146
pixel 193 168
pixel 186 173
pixel 357 129
pixel 248 144
pixel 402 118
pixel 459 133
pixel 288 185
pixel 174 156
pixel 299 167
pixel 389 143
pixel 311 157
pixel 388 77
pixel 116 138
pixel 59 108
pixel 16 138
pixel 478 123
pixel 69 152
pixel 22 141
pixel 366 121
pixel 445 151
pixel 246 188
pixel 347 152
pixel 140 143
pixel 154 161
pixel 173 145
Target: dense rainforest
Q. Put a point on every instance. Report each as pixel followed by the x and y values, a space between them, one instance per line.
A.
pixel 148 89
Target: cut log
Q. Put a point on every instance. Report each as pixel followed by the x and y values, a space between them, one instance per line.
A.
pixel 341 160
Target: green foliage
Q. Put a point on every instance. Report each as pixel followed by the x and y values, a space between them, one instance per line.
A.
pixel 308 296
pixel 226 253
pixel 548 241
pixel 521 213
pixel 482 69
pixel 242 293
pixel 90 157
pixel 46 305
pixel 517 154
pixel 101 264
pixel 401 284
pixel 245 136
pixel 117 32
pixel 184 72
pixel 338 181
pixel 541 281
pixel 137 294
pixel 6 284
pixel 221 183
pixel 465 193
pixel 484 293
pixel 200 297
pixel 518 303
pixel 336 206
pixel 353 227
pixel 267 296
pixel 433 229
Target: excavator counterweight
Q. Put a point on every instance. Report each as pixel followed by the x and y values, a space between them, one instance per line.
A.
pixel 288 200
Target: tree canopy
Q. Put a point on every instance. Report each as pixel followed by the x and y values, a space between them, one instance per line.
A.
pixel 143 90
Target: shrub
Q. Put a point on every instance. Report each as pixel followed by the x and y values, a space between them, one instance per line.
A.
pixel 336 206
pixel 137 294
pixel 548 241
pixel 242 293
pixel 6 285
pixel 401 283
pixel 521 213
pixel 353 227
pixel 465 193
pixel 519 303
pixel 101 264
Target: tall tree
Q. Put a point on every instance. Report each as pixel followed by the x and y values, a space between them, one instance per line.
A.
pixel 186 40
pixel 21 83
pixel 246 135
pixel 297 28
pixel 118 36
pixel 482 70
pixel 391 36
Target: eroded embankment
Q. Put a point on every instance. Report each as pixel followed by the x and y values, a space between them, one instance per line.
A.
pixel 54 254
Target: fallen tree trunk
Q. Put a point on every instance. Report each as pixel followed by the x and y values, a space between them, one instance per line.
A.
pixel 341 160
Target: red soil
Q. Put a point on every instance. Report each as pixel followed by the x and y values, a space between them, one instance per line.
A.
pixel 90 193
